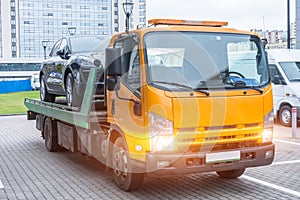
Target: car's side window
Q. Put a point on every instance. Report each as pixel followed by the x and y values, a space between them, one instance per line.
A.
pixel 63 45
pixel 55 48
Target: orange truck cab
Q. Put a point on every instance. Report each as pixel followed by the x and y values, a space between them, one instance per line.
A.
pixel 187 97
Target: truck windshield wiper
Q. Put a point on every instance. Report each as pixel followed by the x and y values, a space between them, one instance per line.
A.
pixel 253 88
pixel 173 84
pixel 241 85
pixel 183 86
pixel 206 92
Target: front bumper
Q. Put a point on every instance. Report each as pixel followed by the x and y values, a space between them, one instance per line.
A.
pixel 195 162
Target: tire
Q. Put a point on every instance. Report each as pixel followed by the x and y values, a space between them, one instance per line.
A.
pixel 44 95
pixel 285 115
pixel 50 135
pixel 71 95
pixel 231 174
pixel 122 168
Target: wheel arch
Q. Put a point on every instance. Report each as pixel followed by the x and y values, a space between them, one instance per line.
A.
pixel 70 69
pixel 114 133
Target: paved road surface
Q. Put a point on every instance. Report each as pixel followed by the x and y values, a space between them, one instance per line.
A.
pixel 29 171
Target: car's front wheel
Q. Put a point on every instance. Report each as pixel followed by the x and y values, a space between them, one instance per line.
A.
pixel 69 89
pixel 72 98
pixel 44 95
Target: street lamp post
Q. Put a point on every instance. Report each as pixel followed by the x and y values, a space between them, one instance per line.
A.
pixel 288 25
pixel 72 30
pixel 44 44
pixel 127 7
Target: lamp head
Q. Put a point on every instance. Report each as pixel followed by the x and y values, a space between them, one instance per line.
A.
pixel 128 8
pixel 72 30
pixel 44 43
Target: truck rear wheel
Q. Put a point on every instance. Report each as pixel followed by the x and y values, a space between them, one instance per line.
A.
pixel 125 179
pixel 231 173
pixel 285 115
pixel 50 135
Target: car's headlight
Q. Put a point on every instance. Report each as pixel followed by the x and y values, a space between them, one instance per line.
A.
pixel 161 133
pixel 267 135
pixel 87 62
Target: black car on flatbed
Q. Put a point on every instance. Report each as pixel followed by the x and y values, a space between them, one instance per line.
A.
pixel 65 71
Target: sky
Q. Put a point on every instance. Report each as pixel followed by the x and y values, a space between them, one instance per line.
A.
pixel 240 14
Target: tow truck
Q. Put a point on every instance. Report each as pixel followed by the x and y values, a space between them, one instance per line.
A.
pixel 179 97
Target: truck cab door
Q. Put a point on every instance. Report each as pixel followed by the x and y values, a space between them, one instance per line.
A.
pixel 127 107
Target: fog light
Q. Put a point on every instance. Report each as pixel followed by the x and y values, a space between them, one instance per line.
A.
pixel 139 148
pixel 269 154
pixel 163 164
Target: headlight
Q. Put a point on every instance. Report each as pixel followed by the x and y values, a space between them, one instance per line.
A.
pixel 267 135
pixel 161 133
pixel 85 62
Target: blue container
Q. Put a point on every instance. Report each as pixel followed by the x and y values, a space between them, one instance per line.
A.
pixel 14 86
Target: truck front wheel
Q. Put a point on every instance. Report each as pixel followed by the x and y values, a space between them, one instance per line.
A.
pixel 231 173
pixel 50 135
pixel 123 174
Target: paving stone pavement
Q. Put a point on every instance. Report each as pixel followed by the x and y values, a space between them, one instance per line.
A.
pixel 29 171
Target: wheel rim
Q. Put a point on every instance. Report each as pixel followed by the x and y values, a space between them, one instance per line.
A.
pixel 42 90
pixel 120 164
pixel 69 91
pixel 286 116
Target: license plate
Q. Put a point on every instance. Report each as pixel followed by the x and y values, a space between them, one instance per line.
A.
pixel 223 157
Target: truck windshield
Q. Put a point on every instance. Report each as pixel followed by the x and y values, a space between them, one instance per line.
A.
pixel 291 70
pixel 199 61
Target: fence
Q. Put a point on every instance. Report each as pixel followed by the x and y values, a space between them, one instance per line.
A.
pixel 15 86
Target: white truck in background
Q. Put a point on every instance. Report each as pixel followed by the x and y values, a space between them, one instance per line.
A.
pixel 284 65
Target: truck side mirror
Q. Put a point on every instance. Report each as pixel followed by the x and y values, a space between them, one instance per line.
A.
pixel 113 62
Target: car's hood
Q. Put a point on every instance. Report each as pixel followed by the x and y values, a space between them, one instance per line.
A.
pixel 295 86
pixel 89 55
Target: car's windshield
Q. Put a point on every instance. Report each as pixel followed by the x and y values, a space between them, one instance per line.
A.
pixel 86 44
pixel 205 60
pixel 291 70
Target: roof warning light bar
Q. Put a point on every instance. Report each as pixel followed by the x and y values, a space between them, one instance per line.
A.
pixel 178 22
